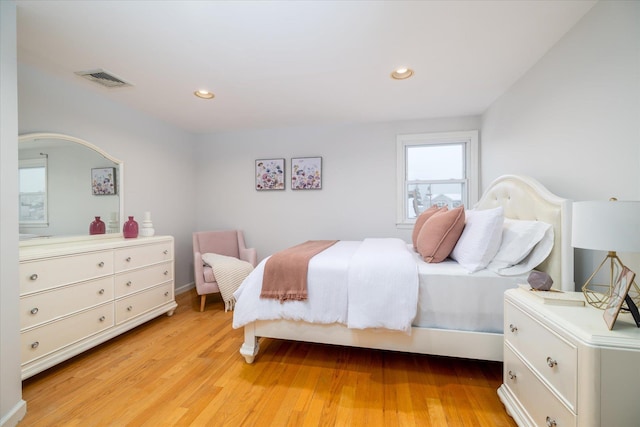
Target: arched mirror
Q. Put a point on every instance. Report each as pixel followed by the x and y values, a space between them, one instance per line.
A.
pixel 65 182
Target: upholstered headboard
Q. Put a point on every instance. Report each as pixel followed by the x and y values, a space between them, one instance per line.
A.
pixel 525 198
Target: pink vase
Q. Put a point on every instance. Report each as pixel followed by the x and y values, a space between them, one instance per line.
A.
pixel 97 226
pixel 130 229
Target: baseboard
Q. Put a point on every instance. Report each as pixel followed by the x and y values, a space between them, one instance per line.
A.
pixel 185 288
pixel 13 417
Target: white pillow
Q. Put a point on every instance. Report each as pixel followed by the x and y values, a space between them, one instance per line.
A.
pixel 525 244
pixel 480 239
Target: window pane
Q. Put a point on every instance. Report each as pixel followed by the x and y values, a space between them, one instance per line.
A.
pixel 422 196
pixel 435 162
pixel 32 196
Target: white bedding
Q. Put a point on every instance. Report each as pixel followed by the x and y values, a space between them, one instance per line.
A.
pixel 344 288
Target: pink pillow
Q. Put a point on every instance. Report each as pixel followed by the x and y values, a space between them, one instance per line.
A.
pixel 439 234
pixel 422 218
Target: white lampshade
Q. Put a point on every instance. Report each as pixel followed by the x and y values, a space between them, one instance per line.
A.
pixel 606 225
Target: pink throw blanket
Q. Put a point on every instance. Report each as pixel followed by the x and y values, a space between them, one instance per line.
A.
pixel 285 272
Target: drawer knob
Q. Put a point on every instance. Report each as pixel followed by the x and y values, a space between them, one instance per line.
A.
pixel 128 259
pixel 166 294
pixel 512 376
pixel 33 277
pixel 101 264
pixel 130 308
pixel 101 291
pixel 551 422
pixel 128 283
pixel 165 252
pixel 35 345
pixel 513 328
pixel 102 318
pixel 551 362
pixel 166 272
pixel 34 310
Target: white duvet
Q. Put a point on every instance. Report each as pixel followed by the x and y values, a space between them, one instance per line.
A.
pixel 367 284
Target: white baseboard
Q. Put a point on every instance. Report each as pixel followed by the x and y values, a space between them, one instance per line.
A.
pixel 13 417
pixel 185 288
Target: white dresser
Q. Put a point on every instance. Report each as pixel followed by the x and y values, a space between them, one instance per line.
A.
pixel 563 367
pixel 76 295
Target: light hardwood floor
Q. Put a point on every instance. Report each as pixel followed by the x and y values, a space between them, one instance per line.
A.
pixel 185 370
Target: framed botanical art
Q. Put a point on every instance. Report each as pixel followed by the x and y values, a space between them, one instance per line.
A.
pixel 618 295
pixel 103 181
pixel 306 173
pixel 269 174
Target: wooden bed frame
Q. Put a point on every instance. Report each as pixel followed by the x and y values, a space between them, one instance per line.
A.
pixel 522 198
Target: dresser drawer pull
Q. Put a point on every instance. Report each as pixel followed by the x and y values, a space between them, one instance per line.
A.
pixel 512 376
pixel 33 277
pixel 166 272
pixel 551 362
pixel 35 345
pixel 165 252
pixel 101 291
pixel 128 259
pixel 34 310
pixel 130 308
pixel 513 328
pixel 128 283
pixel 102 318
pixel 551 422
pixel 166 294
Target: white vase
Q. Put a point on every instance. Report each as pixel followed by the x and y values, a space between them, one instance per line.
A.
pixel 147 226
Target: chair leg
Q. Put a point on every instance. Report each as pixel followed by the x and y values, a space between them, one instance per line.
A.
pixel 203 299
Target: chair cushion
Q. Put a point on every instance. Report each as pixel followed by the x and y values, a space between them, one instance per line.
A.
pixel 208 274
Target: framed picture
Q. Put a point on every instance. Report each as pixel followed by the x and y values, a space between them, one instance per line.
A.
pixel 269 174
pixel 306 173
pixel 103 181
pixel 618 295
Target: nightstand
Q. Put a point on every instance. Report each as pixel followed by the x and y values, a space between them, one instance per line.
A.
pixel 564 367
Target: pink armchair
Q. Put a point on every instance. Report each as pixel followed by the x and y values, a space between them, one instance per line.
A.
pixel 229 243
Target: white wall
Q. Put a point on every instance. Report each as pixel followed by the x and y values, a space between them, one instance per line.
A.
pixel 12 407
pixel 158 158
pixel 573 120
pixel 358 196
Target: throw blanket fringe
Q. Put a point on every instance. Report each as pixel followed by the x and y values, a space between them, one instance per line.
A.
pixel 229 273
pixel 285 272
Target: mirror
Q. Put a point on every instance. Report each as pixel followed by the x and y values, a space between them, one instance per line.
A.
pixel 65 182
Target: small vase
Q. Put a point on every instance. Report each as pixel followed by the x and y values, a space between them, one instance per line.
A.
pixel 130 229
pixel 97 226
pixel 147 226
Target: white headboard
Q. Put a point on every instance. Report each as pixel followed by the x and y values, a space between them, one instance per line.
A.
pixel 525 198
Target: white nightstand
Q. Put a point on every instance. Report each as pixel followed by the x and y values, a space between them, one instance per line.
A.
pixel 563 367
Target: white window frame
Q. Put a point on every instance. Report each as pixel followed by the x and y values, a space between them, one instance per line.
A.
pixel 37 163
pixel 469 139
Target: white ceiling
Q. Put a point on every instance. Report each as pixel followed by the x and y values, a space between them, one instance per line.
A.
pixel 291 63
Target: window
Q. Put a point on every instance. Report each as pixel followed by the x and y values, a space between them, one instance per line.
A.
pixel 436 169
pixel 33 192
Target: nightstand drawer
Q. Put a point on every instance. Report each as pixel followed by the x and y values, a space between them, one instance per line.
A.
pixel 542 407
pixel 553 358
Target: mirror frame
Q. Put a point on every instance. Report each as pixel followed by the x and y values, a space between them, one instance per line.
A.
pixel 48 135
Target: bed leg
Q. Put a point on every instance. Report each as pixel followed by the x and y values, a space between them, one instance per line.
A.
pixel 250 347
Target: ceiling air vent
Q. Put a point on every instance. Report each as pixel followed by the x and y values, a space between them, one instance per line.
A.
pixel 103 78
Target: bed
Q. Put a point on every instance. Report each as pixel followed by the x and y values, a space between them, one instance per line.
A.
pixel 449 320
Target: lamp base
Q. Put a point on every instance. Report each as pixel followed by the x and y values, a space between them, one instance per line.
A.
pixel 598 295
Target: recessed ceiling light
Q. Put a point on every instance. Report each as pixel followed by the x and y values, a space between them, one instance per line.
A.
pixel 204 94
pixel 402 73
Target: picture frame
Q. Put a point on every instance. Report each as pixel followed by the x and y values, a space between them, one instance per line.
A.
pixel 306 173
pixel 270 174
pixel 618 296
pixel 103 181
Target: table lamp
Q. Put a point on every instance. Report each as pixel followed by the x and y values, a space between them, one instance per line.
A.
pixel 612 226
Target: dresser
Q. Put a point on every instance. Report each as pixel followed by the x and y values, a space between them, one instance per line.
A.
pixel 78 294
pixel 563 367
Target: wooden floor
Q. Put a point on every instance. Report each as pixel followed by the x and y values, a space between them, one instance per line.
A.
pixel 185 370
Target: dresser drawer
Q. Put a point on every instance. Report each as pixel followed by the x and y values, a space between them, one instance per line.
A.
pixel 138 280
pixel 48 305
pixel 51 272
pixel 42 340
pixel 134 305
pixel 542 406
pixel 554 358
pixel 139 256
